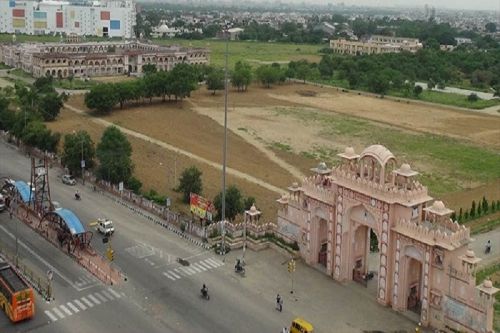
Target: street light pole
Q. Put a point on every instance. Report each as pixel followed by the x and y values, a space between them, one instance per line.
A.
pixel 82 162
pixel 224 151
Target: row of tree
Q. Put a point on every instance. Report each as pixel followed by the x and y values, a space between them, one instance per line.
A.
pixel 190 181
pixel 481 208
pixel 24 108
pixel 177 83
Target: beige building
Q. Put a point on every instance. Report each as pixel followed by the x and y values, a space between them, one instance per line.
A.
pixel 96 59
pixel 376 45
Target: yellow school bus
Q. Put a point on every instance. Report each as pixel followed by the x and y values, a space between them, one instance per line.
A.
pixel 299 325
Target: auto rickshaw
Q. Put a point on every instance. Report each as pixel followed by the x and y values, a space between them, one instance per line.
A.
pixel 299 325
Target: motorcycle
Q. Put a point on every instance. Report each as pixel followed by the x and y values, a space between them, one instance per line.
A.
pixel 239 269
pixel 487 250
pixel 204 294
pixel 77 196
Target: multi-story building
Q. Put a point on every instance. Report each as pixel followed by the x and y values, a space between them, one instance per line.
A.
pixel 376 45
pixel 96 59
pixel 108 18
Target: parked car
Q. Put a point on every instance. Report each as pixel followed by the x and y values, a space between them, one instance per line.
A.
pixel 105 226
pixel 68 180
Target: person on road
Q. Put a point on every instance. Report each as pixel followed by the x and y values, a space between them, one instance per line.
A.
pixel 279 303
pixel 488 247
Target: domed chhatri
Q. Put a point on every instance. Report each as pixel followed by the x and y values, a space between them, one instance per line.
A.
pixel 336 213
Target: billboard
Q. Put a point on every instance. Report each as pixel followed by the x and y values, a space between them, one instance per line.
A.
pixel 201 207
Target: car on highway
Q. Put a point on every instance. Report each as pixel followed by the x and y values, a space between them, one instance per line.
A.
pixel 105 226
pixel 68 180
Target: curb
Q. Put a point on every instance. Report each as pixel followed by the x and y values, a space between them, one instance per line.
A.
pixel 157 221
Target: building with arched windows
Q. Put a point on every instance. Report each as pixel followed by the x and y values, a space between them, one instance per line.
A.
pixel 96 59
pixel 371 207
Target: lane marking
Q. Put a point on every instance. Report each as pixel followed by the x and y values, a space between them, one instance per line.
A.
pixel 65 309
pixel 117 295
pixel 102 298
pixel 201 263
pixel 175 275
pixel 108 295
pixel 199 267
pixel 50 315
pixel 58 313
pixel 168 276
pixel 216 262
pixel 195 268
pixel 93 299
pixel 89 303
pixel 212 265
pixel 80 304
pixel 74 308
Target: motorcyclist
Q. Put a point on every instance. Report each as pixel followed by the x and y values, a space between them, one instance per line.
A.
pixel 204 290
pixel 77 195
pixel 238 267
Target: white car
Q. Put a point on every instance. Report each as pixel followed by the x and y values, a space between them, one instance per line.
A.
pixel 68 180
pixel 105 226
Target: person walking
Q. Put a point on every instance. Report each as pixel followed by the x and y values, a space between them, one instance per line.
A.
pixel 279 303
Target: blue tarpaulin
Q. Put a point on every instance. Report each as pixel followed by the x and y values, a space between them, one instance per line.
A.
pixel 24 191
pixel 72 222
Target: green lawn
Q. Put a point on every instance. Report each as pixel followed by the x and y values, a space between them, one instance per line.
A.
pixel 444 163
pixel 450 99
pixel 253 52
pixel 76 84
pixel 20 73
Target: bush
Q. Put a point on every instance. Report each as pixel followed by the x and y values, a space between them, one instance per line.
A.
pixel 134 185
pixel 472 98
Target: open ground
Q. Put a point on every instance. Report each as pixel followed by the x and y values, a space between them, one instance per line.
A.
pixel 278 134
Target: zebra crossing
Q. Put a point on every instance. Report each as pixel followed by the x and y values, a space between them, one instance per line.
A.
pixel 81 304
pixel 194 268
pixel 85 281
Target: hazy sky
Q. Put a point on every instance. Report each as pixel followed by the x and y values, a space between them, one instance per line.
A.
pixel 493 5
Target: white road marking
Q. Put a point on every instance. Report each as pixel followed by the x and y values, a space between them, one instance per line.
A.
pixel 58 313
pixel 50 315
pixel 169 276
pixel 93 299
pixel 102 298
pixel 216 262
pixel 174 274
pixel 74 308
pixel 195 268
pixel 117 295
pixel 199 266
pixel 89 303
pixel 65 309
pixel 80 304
pixel 209 263
pixel 108 295
pixel 201 263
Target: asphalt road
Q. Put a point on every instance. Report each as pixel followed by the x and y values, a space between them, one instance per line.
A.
pixel 160 295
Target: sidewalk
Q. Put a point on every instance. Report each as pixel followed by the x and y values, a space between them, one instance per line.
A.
pixel 327 304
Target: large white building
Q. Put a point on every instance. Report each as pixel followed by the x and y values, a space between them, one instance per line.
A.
pixel 109 18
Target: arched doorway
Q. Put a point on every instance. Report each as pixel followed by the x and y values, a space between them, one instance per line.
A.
pixel 413 279
pixel 319 239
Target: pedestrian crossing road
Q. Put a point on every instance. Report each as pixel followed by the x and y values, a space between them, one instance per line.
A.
pixel 194 268
pixel 81 304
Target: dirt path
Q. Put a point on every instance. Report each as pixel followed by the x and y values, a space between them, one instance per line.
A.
pixel 162 144
pixel 261 147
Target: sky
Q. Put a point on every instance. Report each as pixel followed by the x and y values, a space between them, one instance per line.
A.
pixel 493 5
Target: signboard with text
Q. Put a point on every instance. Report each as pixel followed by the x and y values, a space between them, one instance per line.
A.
pixel 200 206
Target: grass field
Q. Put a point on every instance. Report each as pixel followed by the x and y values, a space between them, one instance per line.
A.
pixel 450 99
pixel 75 84
pixel 254 52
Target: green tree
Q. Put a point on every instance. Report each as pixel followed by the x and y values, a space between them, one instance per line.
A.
pixel 431 84
pixel 190 182
pixel 248 202
pixel 50 104
pixel 215 80
pixel 267 75
pixel 36 134
pixel 149 69
pixel 234 203
pixel 302 71
pixel 114 152
pixel 184 80
pixel 460 215
pixel 101 97
pixel 78 146
pixel 122 91
pixel 485 205
pixel 472 97
pixel 473 209
pixel 491 27
pixel 241 76
pixel 417 90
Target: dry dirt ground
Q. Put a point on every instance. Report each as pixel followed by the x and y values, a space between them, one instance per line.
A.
pixel 267 143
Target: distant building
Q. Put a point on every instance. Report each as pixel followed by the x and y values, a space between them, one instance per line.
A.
pixel 462 40
pixel 326 27
pixel 376 45
pixel 234 33
pixel 96 59
pixel 109 18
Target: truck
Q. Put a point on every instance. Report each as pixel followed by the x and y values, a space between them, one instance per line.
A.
pixel 105 226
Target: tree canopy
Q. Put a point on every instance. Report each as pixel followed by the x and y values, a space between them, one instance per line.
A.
pixel 114 154
pixel 241 77
pixel 234 203
pixel 78 146
pixel 190 182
